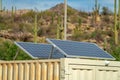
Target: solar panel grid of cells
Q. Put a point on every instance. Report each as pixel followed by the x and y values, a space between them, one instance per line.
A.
pixel 36 50
pixel 80 49
pixel 64 48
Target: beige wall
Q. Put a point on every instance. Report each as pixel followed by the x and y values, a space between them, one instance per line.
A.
pixel 86 69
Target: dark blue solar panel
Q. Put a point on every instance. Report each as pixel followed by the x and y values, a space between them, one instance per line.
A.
pixel 80 49
pixel 39 50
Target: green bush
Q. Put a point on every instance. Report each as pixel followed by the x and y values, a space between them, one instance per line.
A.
pixel 8 52
pixel 115 51
pixel 2 26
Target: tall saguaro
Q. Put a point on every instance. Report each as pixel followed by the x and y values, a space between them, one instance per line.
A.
pixel 119 12
pixel 0 5
pixel 60 29
pixel 96 6
pixel 35 29
pixel 115 23
pixel 96 11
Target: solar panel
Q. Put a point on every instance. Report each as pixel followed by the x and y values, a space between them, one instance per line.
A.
pixel 80 49
pixel 36 50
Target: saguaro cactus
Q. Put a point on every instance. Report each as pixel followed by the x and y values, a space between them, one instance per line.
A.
pixel 119 13
pixel 52 19
pixel 1 5
pixel 96 11
pixel 35 29
pixel 115 23
pixel 60 29
pixel 79 22
pixel 12 11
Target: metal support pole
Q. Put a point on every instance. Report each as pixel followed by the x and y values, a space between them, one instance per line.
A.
pixel 50 55
pixel 65 19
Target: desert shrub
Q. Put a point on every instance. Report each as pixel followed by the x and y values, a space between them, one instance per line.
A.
pixel 2 26
pixel 71 11
pixel 115 51
pixel 106 19
pixel 97 34
pixel 40 32
pixel 29 16
pixel 83 14
pixel 51 30
pixel 8 51
pixel 77 33
pixel 1 19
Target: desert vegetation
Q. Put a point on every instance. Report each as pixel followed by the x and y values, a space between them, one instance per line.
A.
pixel 98 27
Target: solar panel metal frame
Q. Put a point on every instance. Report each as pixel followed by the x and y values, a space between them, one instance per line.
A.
pixel 51 55
pixel 72 56
pixel 26 50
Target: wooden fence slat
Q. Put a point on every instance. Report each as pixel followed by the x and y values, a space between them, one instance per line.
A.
pixel 38 71
pixel 50 71
pixel 56 71
pixel 10 73
pixel 4 72
pixel 27 71
pixel 0 72
pixel 15 72
pixel 44 71
pixel 21 71
pixel 32 71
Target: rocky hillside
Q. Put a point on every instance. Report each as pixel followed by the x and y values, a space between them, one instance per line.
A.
pixel 81 26
pixel 21 27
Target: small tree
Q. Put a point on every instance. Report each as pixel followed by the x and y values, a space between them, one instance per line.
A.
pixel 106 11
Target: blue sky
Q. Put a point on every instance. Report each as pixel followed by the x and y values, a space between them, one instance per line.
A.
pixel 84 5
